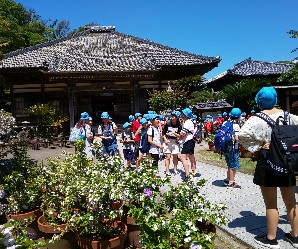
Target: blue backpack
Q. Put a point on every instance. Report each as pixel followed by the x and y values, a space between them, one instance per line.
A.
pixel 225 139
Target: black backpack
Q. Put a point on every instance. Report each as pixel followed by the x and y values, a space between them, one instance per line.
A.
pixel 283 149
pixel 144 141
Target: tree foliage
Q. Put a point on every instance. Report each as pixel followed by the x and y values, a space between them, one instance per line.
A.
pixel 163 100
pixel 242 94
pixel 20 28
pixel 294 34
pixel 290 77
pixel 190 84
pixel 207 95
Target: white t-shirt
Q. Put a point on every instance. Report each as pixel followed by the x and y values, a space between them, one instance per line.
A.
pixel 188 129
pixel 156 139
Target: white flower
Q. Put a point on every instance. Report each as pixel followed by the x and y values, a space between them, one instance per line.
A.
pixel 155 227
pixel 208 238
pixel 91 217
pixel 187 233
pixel 188 223
pixel 187 239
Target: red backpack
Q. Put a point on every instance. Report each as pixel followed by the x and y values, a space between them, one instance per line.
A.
pixel 208 126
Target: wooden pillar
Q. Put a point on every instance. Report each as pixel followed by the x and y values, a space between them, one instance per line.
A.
pixel 136 97
pixel 71 107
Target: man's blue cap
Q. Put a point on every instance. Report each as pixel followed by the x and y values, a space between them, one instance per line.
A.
pixel 253 111
pixel 187 112
pixel 138 114
pixel 104 115
pixel 266 98
pixel 225 114
pixel 219 115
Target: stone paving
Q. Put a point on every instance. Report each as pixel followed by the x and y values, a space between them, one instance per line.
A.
pixel 245 208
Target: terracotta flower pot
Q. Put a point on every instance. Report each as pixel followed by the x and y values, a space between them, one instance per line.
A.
pixel 133 232
pixel 211 146
pixel 49 228
pixel 115 243
pixel 20 217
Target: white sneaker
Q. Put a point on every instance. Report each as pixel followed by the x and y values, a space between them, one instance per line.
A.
pixel 168 173
pixel 175 172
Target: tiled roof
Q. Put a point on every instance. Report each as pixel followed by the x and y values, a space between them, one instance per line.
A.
pixel 101 49
pixel 249 67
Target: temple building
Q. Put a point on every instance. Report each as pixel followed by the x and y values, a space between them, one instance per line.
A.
pixel 96 70
pixel 251 69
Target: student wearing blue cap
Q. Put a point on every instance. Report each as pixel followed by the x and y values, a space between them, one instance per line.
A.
pixel 154 138
pixel 107 131
pixel 141 132
pixel 170 133
pixel 232 151
pixel 134 127
pixel 255 136
pixel 188 144
pixel 127 138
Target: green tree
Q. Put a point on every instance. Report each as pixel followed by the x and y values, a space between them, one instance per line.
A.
pixel 207 95
pixel 163 100
pixel 242 94
pixel 190 84
pixel 294 34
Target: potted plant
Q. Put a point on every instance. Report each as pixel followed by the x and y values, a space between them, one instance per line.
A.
pixel 210 140
pixel 20 186
pixel 15 233
pixel 80 192
pixel 174 218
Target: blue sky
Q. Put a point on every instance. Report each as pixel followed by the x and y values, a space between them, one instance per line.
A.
pixel 231 29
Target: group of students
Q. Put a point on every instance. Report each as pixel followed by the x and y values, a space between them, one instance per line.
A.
pixel 254 133
pixel 168 135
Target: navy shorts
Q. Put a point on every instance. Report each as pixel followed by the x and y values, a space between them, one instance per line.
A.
pixel 128 154
pixel 188 147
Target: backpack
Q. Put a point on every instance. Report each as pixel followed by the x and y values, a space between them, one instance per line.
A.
pixel 123 135
pixel 197 134
pixel 145 143
pixel 75 134
pixel 225 139
pixel 208 126
pixel 283 149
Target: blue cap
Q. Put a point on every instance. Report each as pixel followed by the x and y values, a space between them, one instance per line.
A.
pixel 150 112
pixel 143 121
pixel 219 115
pixel 169 114
pixel 131 118
pixel 138 114
pixel 104 115
pixel 160 117
pixel 253 111
pixel 126 124
pixel 235 113
pixel 225 114
pixel 266 98
pixel 194 116
pixel 84 116
pixel 208 116
pixel 176 113
pixel 187 112
pixel 146 116
pixel 90 119
pixel 153 116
